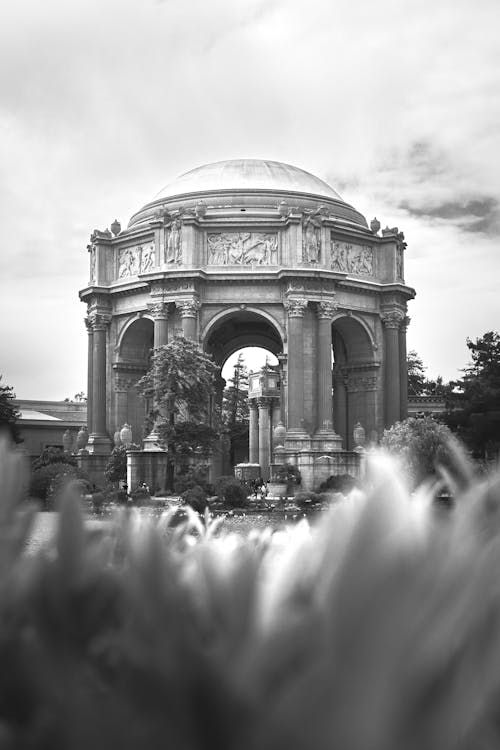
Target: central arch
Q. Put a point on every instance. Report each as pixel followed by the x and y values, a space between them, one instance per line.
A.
pixel 236 328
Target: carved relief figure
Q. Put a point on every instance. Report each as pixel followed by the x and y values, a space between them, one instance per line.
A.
pixel 92 265
pixel 399 263
pixel 174 243
pixel 128 262
pixel 311 239
pixel 355 259
pixel 242 248
pixel 147 258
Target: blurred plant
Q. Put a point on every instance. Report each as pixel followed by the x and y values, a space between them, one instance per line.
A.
pixel 116 467
pixel 9 413
pixel 232 492
pixel 377 629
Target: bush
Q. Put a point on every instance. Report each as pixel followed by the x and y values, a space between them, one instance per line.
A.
pixel 288 473
pixel 231 491
pixel 196 497
pixel 343 483
pixel 193 478
pixel 421 444
pixel 116 468
pixel 50 479
pixel 306 499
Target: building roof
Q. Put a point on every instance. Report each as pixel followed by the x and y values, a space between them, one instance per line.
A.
pixel 247 174
pixel 74 412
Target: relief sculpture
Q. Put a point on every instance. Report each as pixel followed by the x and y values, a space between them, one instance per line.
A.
pixel 311 239
pixel 353 259
pixel 134 260
pixel 173 249
pixel 242 248
pixel 92 265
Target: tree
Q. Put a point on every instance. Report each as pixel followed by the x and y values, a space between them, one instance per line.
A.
pixel 416 374
pixel 235 410
pixel 9 413
pixel 476 417
pixel 421 444
pixel 180 383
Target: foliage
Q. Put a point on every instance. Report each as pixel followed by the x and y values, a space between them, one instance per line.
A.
pixel 476 416
pixel 179 383
pixel 374 629
pixel 419 385
pixel 235 408
pixel 288 473
pixel 231 491
pixel 50 479
pixel 116 468
pixel 50 456
pixel 421 444
pixel 196 498
pixel 343 483
pixel 193 477
pixel 306 499
pixel 9 413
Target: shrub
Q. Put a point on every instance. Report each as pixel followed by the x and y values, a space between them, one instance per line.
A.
pixel 47 481
pixel 116 468
pixel 196 497
pixel 193 478
pixel 421 444
pixel 231 491
pixel 306 499
pixel 343 483
pixel 288 473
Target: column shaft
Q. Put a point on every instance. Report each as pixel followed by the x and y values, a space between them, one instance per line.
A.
pixel 296 364
pixel 340 403
pixel 403 374
pixel 253 434
pixel 264 445
pixel 160 332
pixel 90 377
pixel 99 382
pixel 325 407
pixel 392 370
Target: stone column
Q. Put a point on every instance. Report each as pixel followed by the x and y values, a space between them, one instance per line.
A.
pixel 99 441
pixel 189 314
pixel 90 373
pixel 403 367
pixel 341 402
pixel 325 312
pixel 253 433
pixel 264 435
pixel 295 309
pixel 282 359
pixel 159 313
pixel 392 320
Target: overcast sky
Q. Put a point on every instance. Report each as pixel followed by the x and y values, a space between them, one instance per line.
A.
pixel 396 103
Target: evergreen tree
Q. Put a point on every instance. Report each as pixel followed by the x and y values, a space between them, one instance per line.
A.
pixel 9 414
pixel 235 410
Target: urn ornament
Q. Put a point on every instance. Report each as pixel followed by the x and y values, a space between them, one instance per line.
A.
pixel 82 438
pixel 359 434
pixel 116 227
pixel 375 225
pixel 126 434
pixel 67 440
pixel 117 439
pixel 279 434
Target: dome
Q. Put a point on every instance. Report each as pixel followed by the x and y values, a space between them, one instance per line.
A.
pixel 247 175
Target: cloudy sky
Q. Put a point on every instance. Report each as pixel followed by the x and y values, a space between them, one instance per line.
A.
pixel 102 102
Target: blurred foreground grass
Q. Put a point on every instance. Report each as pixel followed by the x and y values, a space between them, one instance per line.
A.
pixel 379 628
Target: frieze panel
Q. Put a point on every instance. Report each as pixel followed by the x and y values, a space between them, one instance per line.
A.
pixel 135 260
pixel 242 248
pixel 357 260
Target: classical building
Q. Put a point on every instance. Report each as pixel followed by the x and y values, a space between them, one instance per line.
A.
pixel 254 253
pixel 50 424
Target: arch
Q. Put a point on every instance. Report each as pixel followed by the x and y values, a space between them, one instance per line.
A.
pixel 136 339
pixel 357 337
pixel 125 327
pixel 238 327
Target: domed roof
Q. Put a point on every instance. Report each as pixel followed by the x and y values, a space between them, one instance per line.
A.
pixel 247 174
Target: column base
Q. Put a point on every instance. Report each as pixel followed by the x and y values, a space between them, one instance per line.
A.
pixel 99 444
pixel 327 441
pixel 150 443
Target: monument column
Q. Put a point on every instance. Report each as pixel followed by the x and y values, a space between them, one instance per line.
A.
pixel 403 367
pixel 99 441
pixel 264 435
pixel 189 314
pixel 392 320
pixel 325 312
pixel 295 309
pixel 159 313
pixel 90 373
pixel 253 433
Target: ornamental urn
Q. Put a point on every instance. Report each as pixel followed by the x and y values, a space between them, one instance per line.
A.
pixel 359 434
pixel 82 438
pixel 116 227
pixel 279 434
pixel 67 440
pixel 126 434
pixel 375 225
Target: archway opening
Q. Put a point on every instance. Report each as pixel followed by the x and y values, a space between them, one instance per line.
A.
pixel 242 342
pixel 134 355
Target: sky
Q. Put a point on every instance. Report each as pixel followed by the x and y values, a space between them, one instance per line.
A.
pixel 103 102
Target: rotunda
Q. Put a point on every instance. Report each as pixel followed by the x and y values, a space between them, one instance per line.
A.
pixel 251 252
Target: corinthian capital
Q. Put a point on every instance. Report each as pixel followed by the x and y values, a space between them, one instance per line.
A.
pixel 326 309
pixel 98 321
pixel 392 318
pixel 158 310
pixel 295 307
pixel 188 307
